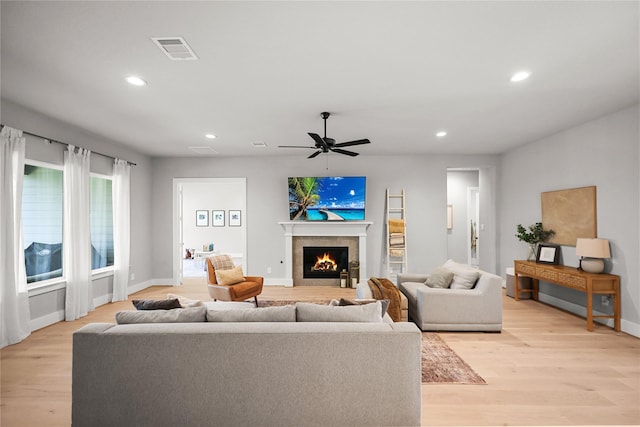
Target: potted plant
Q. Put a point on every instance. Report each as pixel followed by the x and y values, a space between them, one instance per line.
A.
pixel 534 235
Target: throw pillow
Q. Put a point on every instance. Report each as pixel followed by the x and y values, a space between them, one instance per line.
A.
pixel 176 315
pixel 309 312
pixel 185 302
pixel 222 262
pixel 384 303
pixel 230 277
pixel 440 278
pixel 286 313
pixel 147 304
pixel 464 276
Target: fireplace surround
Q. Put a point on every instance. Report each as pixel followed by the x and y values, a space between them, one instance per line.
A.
pixel 332 233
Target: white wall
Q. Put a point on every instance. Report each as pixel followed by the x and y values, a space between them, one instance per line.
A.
pixel 219 194
pixel 604 153
pixel 424 179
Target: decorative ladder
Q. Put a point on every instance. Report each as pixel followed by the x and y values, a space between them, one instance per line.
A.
pixel 396 235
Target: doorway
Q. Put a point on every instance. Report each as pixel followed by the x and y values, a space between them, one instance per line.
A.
pixel 463 200
pixel 209 217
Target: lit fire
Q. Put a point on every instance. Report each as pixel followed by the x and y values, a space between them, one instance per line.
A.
pixel 325 263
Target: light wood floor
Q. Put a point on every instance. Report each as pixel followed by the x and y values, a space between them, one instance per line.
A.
pixel 543 369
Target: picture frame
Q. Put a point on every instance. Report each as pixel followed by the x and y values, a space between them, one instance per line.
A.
pixel 548 254
pixel 202 218
pixel 217 218
pixel 235 218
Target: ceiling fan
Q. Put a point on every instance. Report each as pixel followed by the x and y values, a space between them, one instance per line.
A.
pixel 324 145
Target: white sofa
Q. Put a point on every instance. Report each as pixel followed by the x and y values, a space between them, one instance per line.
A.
pixel 275 373
pixel 438 309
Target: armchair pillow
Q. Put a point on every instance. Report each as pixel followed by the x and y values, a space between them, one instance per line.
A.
pixel 230 277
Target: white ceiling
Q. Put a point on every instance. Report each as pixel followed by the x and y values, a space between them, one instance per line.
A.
pixel 393 72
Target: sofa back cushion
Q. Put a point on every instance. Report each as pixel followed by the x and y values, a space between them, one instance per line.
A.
pixel 176 315
pixel 285 313
pixel 309 312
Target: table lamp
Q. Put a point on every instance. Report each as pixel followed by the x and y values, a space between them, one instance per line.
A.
pixel 591 253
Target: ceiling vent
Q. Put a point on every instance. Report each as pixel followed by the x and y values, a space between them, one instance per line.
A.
pixel 203 150
pixel 176 48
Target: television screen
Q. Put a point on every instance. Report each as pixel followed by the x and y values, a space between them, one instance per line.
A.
pixel 333 198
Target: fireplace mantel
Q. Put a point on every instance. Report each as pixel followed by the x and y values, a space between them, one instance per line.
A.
pixel 324 228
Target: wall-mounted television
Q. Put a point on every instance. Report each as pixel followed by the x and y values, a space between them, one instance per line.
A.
pixel 331 198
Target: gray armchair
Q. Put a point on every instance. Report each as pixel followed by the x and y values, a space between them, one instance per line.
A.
pixel 437 309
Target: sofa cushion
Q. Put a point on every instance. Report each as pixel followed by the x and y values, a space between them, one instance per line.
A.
pixel 176 315
pixel 230 277
pixel 464 276
pixel 441 277
pixel 164 304
pixel 286 313
pixel 309 312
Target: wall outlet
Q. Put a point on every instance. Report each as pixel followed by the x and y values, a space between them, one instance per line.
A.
pixel 133 276
pixel 268 270
pixel 605 300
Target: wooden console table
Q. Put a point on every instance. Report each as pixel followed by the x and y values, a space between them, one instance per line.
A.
pixel 569 277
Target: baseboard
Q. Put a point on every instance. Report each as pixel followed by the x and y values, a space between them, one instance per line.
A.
pixel 47 320
pixel 625 326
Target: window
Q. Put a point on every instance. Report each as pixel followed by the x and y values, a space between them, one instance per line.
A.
pixel 101 222
pixel 42 207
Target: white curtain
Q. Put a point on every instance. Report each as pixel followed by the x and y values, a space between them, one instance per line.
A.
pixel 77 233
pixel 14 299
pixel 121 228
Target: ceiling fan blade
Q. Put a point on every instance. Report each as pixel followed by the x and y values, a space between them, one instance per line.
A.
pixel 348 153
pixel 320 143
pixel 314 154
pixel 356 142
pixel 296 146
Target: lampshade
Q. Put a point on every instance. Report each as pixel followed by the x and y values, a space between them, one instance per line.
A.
pixel 593 248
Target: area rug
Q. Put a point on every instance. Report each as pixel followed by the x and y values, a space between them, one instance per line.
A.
pixel 440 364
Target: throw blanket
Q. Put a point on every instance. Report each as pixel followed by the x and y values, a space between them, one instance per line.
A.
pixel 382 288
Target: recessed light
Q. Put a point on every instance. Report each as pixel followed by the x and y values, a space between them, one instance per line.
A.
pixel 136 81
pixel 520 76
pixel 441 134
pixel 210 136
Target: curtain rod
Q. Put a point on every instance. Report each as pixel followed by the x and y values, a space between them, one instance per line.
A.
pixel 66 143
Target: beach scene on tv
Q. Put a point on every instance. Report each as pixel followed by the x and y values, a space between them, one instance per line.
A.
pixel 336 198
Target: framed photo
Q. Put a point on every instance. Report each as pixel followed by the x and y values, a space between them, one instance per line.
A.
pixel 548 254
pixel 235 219
pixel 202 218
pixel 217 218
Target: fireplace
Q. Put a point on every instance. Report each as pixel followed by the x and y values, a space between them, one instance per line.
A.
pixel 324 262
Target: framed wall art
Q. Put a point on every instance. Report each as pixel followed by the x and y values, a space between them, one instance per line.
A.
pixel 570 213
pixel 548 254
pixel 235 219
pixel 202 218
pixel 217 218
